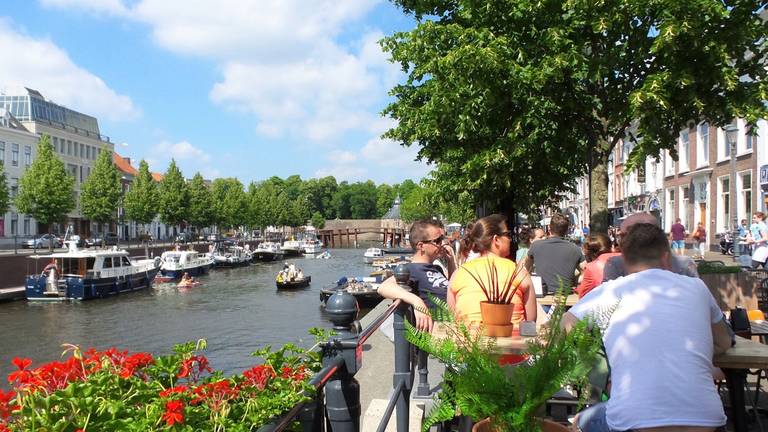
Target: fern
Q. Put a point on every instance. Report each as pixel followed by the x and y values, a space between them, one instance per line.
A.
pixel 477 386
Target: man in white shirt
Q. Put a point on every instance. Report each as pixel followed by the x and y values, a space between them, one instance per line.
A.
pixel 661 330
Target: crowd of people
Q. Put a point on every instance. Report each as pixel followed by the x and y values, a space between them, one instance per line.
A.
pixel 289 273
pixel 637 270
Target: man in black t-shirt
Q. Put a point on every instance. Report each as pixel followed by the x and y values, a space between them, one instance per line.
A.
pixel 555 259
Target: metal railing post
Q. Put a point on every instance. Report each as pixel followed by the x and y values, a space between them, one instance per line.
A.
pixel 402 377
pixel 422 390
pixel 342 392
pixel 311 416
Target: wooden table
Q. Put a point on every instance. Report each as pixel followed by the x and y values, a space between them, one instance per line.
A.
pixel 746 354
pixel 550 300
pixel 514 344
pixel 759 327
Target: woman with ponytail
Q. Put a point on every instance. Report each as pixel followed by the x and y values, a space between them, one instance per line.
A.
pixel 490 239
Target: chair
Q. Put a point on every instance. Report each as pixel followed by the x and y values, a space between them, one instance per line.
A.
pixel 757 315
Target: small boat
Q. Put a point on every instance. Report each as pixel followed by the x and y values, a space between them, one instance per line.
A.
pixel 312 247
pixel 296 283
pixel 227 254
pixel 88 274
pixel 371 254
pixel 398 251
pixel 292 248
pixel 365 290
pixel 324 255
pixel 268 251
pixel 190 284
pixel 176 263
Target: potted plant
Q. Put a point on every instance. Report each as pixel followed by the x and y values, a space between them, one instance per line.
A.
pixel 509 397
pixel 497 309
pixel 116 390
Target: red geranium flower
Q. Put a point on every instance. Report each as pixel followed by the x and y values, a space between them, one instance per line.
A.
pixel 5 408
pixel 173 390
pixel 174 412
pixel 259 375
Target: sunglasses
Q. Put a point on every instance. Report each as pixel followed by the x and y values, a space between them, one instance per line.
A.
pixel 437 241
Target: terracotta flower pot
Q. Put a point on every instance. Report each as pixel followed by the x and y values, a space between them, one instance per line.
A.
pixel 500 330
pixel 496 314
pixel 546 426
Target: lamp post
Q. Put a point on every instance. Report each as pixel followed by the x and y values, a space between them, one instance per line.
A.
pixel 731 134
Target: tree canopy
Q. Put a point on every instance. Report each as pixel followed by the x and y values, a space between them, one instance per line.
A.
pixel 173 196
pixel 101 193
pixel 515 99
pixel 46 190
pixel 142 197
pixel 201 208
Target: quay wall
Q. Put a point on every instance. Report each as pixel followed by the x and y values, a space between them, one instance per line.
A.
pixel 15 268
pixel 364 225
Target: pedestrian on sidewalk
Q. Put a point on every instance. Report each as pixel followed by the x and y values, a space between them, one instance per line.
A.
pixel 700 236
pixel 677 234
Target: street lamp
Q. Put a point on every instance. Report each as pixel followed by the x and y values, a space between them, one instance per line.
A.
pixel 731 134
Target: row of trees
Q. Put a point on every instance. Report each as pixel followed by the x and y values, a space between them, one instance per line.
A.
pixel 46 193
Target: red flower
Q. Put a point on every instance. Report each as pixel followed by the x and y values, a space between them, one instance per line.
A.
pixel 192 367
pixel 174 412
pixel 21 363
pixel 5 408
pixel 173 390
pixel 259 375
pixel 4 428
pixel 298 374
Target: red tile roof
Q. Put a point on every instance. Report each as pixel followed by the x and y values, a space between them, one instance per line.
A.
pixel 124 164
pixel 157 176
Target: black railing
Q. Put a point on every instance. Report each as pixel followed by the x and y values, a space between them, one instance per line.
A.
pixel 336 404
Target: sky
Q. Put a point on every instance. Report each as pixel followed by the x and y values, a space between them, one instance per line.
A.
pixel 229 88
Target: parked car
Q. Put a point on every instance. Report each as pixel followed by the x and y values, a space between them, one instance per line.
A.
pixel 184 237
pixel 44 241
pixel 109 239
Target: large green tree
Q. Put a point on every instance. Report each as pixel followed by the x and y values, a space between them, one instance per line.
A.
pixel 362 201
pixel 46 190
pixel 173 196
pixel 140 201
pixel 230 202
pixel 101 193
pixel 514 99
pixel 201 209
pixel 5 198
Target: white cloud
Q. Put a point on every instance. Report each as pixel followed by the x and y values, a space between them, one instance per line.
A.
pixel 189 159
pixel 182 150
pixel 380 160
pixel 40 64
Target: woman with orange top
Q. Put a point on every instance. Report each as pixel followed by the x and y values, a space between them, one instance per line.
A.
pixel 490 238
pixel 597 250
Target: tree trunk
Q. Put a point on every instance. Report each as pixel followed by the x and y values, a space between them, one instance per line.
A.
pixel 598 190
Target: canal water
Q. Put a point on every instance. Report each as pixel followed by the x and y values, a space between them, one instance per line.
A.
pixel 236 310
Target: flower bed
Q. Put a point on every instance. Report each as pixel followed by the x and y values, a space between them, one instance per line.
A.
pixel 118 390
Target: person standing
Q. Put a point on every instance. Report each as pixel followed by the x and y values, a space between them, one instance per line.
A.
pixel 677 232
pixel 555 259
pixel 700 236
pixel 759 241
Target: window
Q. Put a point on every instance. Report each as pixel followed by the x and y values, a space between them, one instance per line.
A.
pixel 14 154
pixel 702 147
pixel 670 211
pixel 26 226
pixel 724 203
pixel 14 187
pixel 685 197
pixel 14 223
pixel 750 139
pixel 82 150
pixel 669 164
pixel 27 156
pixel 723 151
pixel 685 150
pixel 126 262
pixel 69 147
pixel 82 179
pixel 87 152
pixel 2 152
pixel 745 195
pixel 107 262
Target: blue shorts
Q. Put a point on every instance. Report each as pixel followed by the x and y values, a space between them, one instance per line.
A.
pixel 593 419
pixel 678 244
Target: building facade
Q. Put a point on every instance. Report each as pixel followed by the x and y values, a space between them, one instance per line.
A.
pixel 18 147
pixel 75 137
pixel 699 186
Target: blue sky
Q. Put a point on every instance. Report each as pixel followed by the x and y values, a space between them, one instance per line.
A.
pixel 244 88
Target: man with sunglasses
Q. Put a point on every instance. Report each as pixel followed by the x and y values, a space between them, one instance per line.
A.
pixel 427 278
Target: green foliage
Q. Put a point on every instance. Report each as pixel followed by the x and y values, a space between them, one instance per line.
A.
pixel 46 189
pixel 362 201
pixel 385 196
pixel 201 208
pixel 229 201
pixel 141 199
pixel 173 196
pixel 479 387
pixel 514 99
pixel 429 201
pixel 101 193
pixel 318 221
pixel 5 198
pixel 707 267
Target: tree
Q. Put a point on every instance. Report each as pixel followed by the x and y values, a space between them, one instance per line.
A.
pixel 514 99
pixel 173 196
pixel 362 200
pixel 385 196
pixel 230 202
pixel 141 199
pixel 318 221
pixel 201 210
pixel 5 198
pixel 46 190
pixel 101 192
pixel 341 201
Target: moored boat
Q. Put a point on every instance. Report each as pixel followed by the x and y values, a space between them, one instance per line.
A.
pixel 312 246
pixel 88 274
pixel 372 254
pixel 175 263
pixel 292 248
pixel 227 254
pixel 296 283
pixel 268 251
pixel 365 290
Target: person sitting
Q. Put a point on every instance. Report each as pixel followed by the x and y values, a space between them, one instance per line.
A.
pixel 300 275
pixel 491 238
pixel 597 250
pixel 661 331
pixel 186 280
pixel 555 259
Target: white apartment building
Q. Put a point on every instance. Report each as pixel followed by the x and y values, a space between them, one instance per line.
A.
pixel 75 137
pixel 18 148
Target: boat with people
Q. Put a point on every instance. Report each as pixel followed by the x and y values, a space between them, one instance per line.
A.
pixel 187 281
pixel 312 246
pixel 174 264
pixel 292 248
pixel 292 277
pixel 372 254
pixel 324 255
pixel 268 251
pixel 89 274
pixel 229 254
pixel 365 290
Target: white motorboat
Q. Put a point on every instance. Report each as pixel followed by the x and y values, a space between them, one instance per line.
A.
pixel 227 254
pixel 292 247
pixel 372 254
pixel 176 263
pixel 268 251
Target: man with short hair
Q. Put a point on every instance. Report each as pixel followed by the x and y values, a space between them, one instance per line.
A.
pixel 661 364
pixel 555 259
pixel 429 243
pixel 677 232
pixel 614 267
